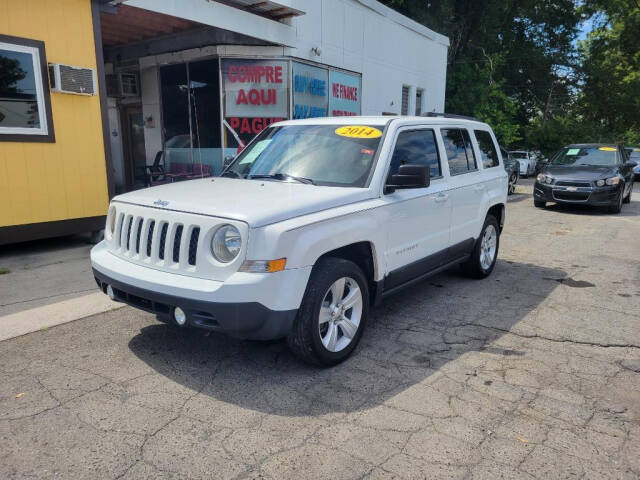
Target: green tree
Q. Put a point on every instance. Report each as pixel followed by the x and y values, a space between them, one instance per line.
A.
pixel 509 60
pixel 10 74
pixel 610 95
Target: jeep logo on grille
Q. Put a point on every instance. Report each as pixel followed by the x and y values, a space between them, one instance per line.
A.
pixel 161 203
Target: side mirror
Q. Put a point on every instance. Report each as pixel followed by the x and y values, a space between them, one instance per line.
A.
pixel 632 163
pixel 409 176
pixel 228 160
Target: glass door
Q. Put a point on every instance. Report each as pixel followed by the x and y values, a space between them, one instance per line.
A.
pixel 134 148
pixel 191 119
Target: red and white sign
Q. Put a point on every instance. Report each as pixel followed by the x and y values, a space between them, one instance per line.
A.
pixel 255 88
pixel 344 96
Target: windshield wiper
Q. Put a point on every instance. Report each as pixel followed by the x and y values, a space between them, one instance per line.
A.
pixel 231 173
pixel 283 176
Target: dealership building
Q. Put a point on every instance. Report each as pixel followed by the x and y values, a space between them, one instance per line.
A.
pixel 104 97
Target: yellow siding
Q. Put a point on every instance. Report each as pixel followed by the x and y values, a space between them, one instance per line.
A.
pixel 42 182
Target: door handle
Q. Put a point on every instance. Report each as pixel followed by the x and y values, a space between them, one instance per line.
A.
pixel 441 197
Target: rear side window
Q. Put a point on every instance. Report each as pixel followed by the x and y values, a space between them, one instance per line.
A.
pixel 457 145
pixel 416 147
pixel 488 150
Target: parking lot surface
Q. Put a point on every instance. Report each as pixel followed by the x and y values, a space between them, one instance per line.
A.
pixel 532 373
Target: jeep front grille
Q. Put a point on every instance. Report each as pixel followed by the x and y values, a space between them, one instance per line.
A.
pixel 193 245
pixel 137 236
pixel 170 241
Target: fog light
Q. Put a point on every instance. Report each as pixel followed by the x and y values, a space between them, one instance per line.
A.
pixel 179 316
pixel 110 292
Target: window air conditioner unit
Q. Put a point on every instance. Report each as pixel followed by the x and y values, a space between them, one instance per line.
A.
pixel 69 79
pixel 124 84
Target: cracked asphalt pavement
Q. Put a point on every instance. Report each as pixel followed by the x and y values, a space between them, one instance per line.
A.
pixel 532 373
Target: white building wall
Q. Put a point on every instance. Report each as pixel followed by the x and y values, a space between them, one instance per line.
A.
pixel 387 48
pixel 150 90
pixel 363 36
pixel 115 138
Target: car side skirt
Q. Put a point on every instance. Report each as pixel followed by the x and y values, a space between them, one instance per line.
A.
pixel 426 267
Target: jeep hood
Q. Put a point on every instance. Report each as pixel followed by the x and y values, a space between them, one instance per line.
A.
pixel 257 202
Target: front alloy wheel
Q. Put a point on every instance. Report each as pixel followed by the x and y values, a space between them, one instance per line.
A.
pixel 340 314
pixel 617 206
pixel 333 313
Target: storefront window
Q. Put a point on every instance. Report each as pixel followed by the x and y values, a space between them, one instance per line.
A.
pixel 256 94
pixel 191 117
pixel 25 112
pixel 175 107
pixel 310 91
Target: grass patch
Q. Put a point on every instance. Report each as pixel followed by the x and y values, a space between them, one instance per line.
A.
pixel 4 271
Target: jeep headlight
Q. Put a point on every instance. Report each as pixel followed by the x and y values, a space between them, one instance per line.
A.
pixel 612 181
pixel 226 243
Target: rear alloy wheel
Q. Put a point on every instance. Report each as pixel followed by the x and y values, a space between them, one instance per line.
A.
pixel 333 313
pixel 485 253
pixel 617 207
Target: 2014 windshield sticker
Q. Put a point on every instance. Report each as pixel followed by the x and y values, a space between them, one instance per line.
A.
pixel 358 131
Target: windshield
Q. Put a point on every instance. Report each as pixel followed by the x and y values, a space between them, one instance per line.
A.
pixel 586 156
pixel 323 154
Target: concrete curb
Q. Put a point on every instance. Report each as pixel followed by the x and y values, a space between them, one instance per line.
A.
pixel 41 318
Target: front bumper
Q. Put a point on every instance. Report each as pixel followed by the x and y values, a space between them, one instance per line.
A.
pixel 246 305
pixel 596 196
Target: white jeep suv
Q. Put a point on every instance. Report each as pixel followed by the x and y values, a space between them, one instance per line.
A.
pixel 314 222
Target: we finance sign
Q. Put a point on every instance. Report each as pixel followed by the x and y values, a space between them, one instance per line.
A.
pixel 344 94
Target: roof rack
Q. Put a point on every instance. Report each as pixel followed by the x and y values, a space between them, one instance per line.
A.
pixel 449 115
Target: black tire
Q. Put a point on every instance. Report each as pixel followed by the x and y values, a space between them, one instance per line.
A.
pixel 539 203
pixel 96 237
pixel 473 267
pixel 304 340
pixel 627 199
pixel 617 207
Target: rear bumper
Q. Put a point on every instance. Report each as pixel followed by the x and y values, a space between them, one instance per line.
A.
pixel 249 320
pixel 596 196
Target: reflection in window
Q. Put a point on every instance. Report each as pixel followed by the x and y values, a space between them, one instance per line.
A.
pixel 191 118
pixel 416 147
pixel 457 145
pixel 315 152
pixel 487 149
pixel 22 101
pixel 175 107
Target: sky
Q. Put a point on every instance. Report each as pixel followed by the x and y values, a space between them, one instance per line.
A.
pixel 585 28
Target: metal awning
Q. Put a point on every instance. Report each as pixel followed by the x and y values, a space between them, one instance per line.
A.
pixel 269 9
pixel 125 24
